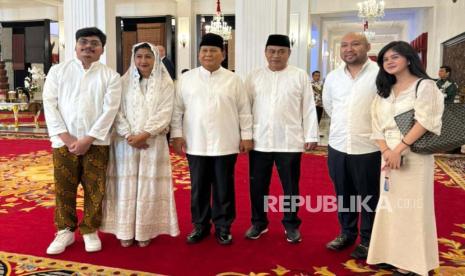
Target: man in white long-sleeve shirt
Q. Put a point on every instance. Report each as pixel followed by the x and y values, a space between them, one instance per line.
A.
pixel 81 98
pixel 285 124
pixel 354 160
pixel 211 123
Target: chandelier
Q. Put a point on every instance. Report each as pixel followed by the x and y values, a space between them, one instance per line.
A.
pixel 218 25
pixel 370 9
pixel 370 35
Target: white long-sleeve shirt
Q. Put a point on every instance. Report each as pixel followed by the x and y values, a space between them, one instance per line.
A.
pixel 81 102
pixel 348 101
pixel 283 108
pixel 212 112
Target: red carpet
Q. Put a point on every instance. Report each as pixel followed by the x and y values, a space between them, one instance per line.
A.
pixel 26 217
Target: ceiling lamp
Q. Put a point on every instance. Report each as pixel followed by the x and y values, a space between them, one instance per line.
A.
pixel 370 35
pixel 218 25
pixel 370 10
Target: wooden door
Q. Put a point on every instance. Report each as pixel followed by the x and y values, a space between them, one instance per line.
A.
pixel 128 40
pixel 151 32
pixel 146 32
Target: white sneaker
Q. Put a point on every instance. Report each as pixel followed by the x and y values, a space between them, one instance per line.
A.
pixel 63 238
pixel 92 242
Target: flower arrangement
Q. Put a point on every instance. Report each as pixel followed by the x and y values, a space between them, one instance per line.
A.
pixel 33 83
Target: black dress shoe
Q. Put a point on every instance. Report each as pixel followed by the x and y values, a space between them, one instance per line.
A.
pixel 197 235
pixel 340 242
pixel 360 252
pixel 223 237
pixel 385 266
pixel 254 232
pixel 293 235
pixel 398 273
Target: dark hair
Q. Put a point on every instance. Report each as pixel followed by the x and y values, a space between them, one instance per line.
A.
pixel 384 80
pixel 447 68
pixel 144 46
pixel 184 71
pixel 314 72
pixel 137 48
pixel 92 31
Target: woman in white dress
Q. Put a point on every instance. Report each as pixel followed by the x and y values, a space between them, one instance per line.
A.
pixel 139 201
pixel 404 231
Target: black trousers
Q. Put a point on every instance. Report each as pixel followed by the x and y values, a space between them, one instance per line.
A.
pixel 212 175
pixel 355 175
pixel 260 170
pixel 319 113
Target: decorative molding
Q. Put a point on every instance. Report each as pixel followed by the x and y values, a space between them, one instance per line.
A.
pixel 455 40
pixel 452 55
pixel 255 20
pixel 54 3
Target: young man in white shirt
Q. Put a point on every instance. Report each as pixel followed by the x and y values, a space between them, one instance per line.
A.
pixel 211 123
pixel 81 98
pixel 354 161
pixel 285 124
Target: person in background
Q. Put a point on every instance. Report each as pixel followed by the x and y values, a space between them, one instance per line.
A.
pixel 81 98
pixel 139 202
pixel 317 86
pixel 447 86
pixel 166 61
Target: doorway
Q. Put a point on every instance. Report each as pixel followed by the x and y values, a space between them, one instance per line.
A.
pixel 131 30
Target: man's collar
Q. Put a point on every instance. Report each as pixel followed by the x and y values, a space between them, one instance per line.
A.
pixel 364 66
pixel 206 72
pixel 284 69
pixel 78 61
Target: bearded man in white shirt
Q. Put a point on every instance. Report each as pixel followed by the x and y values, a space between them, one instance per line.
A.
pixel 354 161
pixel 211 123
pixel 81 99
pixel 285 124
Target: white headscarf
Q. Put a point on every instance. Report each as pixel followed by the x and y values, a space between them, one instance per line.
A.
pixel 136 105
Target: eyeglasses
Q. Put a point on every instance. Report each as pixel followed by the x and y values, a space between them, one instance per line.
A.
pixel 92 43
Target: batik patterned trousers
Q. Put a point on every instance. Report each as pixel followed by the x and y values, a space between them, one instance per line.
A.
pixel 70 170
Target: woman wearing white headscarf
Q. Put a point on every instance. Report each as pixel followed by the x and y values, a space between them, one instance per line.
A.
pixel 139 201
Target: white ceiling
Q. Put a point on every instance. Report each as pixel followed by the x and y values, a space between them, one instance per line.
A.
pixel 11 4
pixel 393 26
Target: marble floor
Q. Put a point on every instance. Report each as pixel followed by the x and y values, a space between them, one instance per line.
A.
pixel 5 129
pixel 30 131
pixel 324 130
pixel 9 130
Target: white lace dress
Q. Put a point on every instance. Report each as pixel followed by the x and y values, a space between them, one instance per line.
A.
pixel 139 201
